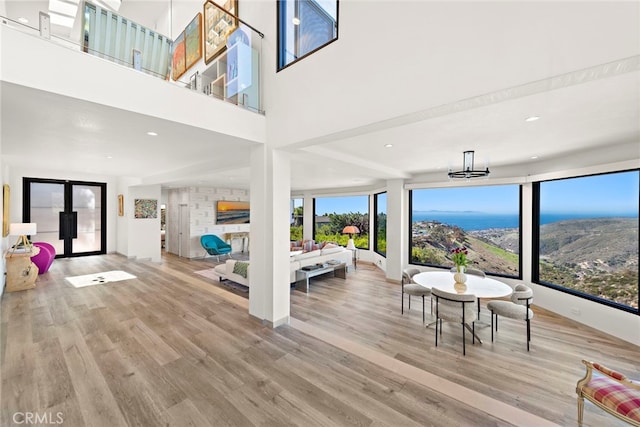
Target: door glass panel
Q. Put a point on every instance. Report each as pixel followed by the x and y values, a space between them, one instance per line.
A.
pixel 86 201
pixel 46 203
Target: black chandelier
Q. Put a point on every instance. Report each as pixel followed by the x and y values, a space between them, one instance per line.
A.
pixel 467 169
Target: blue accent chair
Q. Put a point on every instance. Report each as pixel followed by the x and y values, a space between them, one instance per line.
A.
pixel 215 245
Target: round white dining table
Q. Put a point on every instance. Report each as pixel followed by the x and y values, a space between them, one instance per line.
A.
pixel 481 287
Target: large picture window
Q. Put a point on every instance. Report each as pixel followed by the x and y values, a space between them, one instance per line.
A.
pixel 304 26
pixel 483 219
pixel 380 223
pixel 333 214
pixel 586 237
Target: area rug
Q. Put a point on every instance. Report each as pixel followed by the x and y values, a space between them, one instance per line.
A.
pixel 210 273
pixel 98 278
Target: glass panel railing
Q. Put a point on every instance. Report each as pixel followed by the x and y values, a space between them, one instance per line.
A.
pixel 224 52
pixel 120 40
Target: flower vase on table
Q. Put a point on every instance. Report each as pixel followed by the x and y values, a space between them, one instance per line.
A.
pixel 461 279
pixel 459 256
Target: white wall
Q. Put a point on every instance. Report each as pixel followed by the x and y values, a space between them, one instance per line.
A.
pixel 201 204
pixel 412 56
pixel 143 237
pixel 28 53
pixel 122 222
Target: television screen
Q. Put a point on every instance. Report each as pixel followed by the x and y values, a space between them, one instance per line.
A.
pixel 228 212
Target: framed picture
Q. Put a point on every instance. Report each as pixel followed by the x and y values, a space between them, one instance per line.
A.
pixel 146 208
pixel 218 24
pixel 193 41
pixel 179 57
pixel 120 205
pixel 228 212
pixel 5 210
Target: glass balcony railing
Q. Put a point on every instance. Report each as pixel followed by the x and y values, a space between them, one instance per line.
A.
pixel 216 55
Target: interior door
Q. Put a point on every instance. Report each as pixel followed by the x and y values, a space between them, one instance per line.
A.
pixel 70 215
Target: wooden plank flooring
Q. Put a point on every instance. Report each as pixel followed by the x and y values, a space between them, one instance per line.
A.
pixel 174 348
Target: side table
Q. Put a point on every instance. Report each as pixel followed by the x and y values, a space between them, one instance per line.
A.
pixel 355 258
pixel 21 272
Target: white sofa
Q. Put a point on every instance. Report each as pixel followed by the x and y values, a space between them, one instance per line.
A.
pixel 320 256
pixel 225 271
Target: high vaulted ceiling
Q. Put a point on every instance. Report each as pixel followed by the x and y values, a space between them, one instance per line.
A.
pixel 593 109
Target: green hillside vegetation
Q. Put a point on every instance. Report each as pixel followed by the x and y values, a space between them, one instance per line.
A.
pixel 595 256
pixel 433 242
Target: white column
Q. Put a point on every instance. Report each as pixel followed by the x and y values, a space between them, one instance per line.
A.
pixel 397 229
pixel 527 224
pixel 269 244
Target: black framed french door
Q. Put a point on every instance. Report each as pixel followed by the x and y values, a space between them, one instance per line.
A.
pixel 70 215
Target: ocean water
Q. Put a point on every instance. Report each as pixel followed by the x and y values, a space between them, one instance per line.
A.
pixel 471 221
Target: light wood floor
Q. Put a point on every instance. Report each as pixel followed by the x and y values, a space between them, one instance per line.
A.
pixel 174 348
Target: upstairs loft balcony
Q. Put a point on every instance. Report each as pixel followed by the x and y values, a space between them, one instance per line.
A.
pixel 216 55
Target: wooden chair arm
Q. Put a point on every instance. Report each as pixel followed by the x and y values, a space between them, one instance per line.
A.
pixel 610 373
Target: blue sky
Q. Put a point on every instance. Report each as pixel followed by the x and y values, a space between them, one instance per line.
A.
pixel 502 199
pixel 614 193
pixel 342 204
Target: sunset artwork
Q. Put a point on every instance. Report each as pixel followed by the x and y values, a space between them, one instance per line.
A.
pixel 230 212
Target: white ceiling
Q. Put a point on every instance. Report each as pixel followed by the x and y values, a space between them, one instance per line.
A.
pixel 586 110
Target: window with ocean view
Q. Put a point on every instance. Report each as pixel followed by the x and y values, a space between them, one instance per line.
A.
pixel 586 242
pixel 332 214
pixel 297 215
pixel 483 219
pixel 380 223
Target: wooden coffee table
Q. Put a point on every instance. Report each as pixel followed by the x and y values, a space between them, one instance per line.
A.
pixel 303 276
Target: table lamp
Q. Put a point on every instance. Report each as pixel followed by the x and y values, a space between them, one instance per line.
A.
pixel 23 230
pixel 350 230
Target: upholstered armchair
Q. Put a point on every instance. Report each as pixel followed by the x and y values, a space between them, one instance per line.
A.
pixel 215 246
pixel 45 257
pixel 610 391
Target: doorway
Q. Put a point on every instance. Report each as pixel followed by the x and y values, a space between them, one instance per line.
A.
pixel 70 215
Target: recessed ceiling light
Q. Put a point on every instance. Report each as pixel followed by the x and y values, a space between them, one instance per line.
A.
pixel 388 145
pixel 295 21
pixel 531 119
pixel 23 20
pixel 109 157
pixel 534 157
pixel 152 133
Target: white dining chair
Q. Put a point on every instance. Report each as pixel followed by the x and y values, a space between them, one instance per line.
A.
pixel 410 288
pixel 458 308
pixel 517 308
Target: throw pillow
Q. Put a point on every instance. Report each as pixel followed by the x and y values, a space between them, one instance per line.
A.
pixel 241 268
pixel 329 245
pixel 307 246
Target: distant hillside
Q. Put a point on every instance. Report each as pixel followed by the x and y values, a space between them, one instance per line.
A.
pixel 595 256
pixel 433 242
pixel 604 244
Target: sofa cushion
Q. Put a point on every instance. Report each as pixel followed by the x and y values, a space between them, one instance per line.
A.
pixel 307 255
pixel 615 396
pixel 241 268
pixel 333 250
